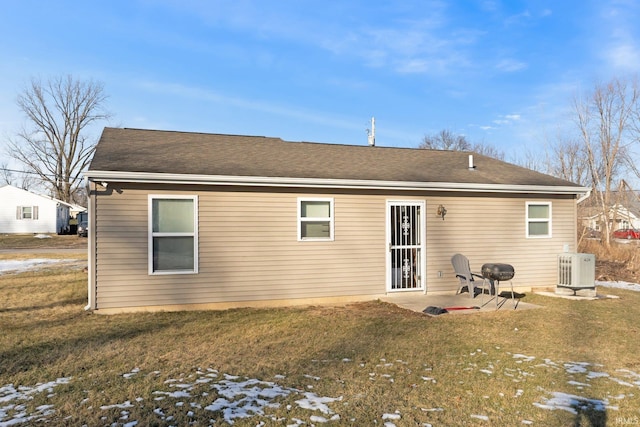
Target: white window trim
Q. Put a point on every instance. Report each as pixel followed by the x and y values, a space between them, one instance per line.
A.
pixel 34 213
pixel 310 219
pixel 151 234
pixel 530 220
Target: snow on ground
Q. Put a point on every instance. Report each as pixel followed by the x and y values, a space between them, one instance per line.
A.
pixel 620 285
pixel 13 410
pixel 235 398
pixel 18 266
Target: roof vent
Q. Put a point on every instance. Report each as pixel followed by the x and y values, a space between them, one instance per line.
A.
pixel 371 133
pixel 471 165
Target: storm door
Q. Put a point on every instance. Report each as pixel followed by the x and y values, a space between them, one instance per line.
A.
pixel 405 236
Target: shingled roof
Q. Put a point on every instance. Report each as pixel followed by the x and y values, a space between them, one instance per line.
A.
pixel 152 153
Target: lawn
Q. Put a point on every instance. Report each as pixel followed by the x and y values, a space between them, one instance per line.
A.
pixel 41 241
pixel 571 363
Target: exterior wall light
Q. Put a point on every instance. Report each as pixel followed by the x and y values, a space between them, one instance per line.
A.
pixel 441 212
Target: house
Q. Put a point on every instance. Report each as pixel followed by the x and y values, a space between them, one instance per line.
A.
pixel 22 211
pixel 624 212
pixel 219 221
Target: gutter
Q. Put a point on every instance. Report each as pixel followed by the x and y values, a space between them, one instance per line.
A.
pixel 160 178
pixel 584 196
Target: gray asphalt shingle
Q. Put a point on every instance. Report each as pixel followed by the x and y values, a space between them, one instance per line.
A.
pixel 170 152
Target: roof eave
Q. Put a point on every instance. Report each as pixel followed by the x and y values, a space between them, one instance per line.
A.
pixel 161 178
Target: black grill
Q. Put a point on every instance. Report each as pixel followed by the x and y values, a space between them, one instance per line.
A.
pixel 498 272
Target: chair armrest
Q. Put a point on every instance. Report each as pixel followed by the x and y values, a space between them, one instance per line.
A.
pixel 477 275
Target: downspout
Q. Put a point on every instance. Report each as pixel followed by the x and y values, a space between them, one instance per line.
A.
pixel 91 253
pixel 582 198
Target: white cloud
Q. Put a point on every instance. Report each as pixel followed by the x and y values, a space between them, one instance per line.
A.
pixel 617 36
pixel 511 65
pixel 624 56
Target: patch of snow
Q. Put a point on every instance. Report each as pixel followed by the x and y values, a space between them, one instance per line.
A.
pixel 571 403
pixel 175 394
pixel 316 403
pixel 133 372
pixel 126 404
pixel 576 367
pixel 391 416
pixel 480 417
pixel 522 356
pixel 12 413
pixel 620 285
pixel 578 384
pixel 622 382
pixel 17 266
pixel 593 374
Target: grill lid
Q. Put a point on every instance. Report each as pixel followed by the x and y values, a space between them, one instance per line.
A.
pixel 497 271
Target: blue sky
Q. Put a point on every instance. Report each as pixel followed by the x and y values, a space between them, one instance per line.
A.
pixel 499 72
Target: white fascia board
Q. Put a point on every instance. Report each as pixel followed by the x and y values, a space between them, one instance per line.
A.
pixel 159 178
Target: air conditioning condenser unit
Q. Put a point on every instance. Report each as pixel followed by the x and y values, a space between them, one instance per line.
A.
pixel 577 272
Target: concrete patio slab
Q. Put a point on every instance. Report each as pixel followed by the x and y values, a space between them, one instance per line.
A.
pixel 578 297
pixel 457 304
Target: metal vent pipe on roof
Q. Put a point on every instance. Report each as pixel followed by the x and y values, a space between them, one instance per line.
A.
pixel 372 132
pixel 471 165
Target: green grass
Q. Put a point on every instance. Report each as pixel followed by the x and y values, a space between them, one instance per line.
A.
pixel 375 357
pixel 30 241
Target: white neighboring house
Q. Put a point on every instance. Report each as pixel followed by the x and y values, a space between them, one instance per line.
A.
pixel 620 217
pixel 22 211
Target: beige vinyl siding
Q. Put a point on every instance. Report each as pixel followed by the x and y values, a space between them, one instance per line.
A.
pixel 249 251
pixel 493 229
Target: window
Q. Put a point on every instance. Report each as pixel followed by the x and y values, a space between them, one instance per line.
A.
pixel 315 219
pixel 173 234
pixel 538 219
pixel 27 212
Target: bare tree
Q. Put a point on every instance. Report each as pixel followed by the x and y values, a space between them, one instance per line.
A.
pixel 445 140
pixel 17 178
pixel 55 145
pixel 566 160
pixel 530 160
pixel 7 174
pixel 605 121
pixel 488 150
pixel 448 140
